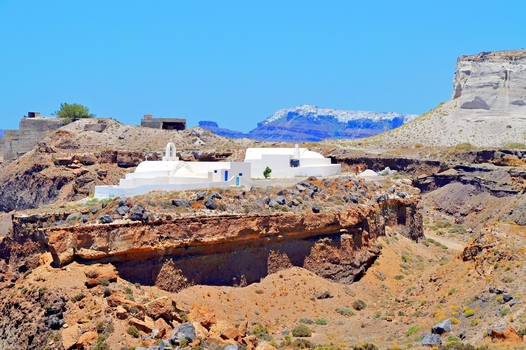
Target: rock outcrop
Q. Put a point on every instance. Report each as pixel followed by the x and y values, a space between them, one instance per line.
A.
pixel 487 108
pixel 491 83
pixel 174 254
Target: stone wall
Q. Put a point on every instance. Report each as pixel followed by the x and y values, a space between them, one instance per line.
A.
pixel 164 123
pixel 32 130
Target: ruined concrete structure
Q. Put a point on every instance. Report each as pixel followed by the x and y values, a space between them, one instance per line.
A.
pixel 32 129
pixel 163 123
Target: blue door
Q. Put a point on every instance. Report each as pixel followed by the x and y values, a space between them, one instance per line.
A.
pixel 226 175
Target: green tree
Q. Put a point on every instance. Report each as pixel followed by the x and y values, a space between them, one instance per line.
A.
pixel 72 112
pixel 266 172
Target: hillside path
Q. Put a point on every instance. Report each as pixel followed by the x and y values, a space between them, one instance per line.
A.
pixel 450 243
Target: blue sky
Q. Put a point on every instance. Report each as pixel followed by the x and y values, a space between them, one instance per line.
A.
pixel 237 62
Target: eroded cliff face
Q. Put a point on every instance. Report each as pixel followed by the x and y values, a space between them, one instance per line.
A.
pixel 223 250
pixel 491 82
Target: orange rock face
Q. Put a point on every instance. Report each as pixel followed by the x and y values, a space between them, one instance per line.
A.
pixel 509 335
pixel 236 249
pixel 161 307
pixel 203 315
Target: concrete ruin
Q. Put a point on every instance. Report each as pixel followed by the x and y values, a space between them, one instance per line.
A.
pixel 163 123
pixel 32 129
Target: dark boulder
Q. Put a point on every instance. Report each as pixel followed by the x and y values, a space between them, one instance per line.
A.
pixel 215 195
pixel 183 331
pixel 179 203
pixel 123 210
pixel 431 340
pixel 106 219
pixel 137 213
pixel 442 327
pixel 281 200
pixel 210 204
pixel 315 209
pixel 300 188
pixel 54 322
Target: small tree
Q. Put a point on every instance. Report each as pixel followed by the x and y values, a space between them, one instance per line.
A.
pixel 266 172
pixel 72 112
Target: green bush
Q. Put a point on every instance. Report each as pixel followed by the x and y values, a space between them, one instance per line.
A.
pixel 366 346
pixel 465 146
pixel 380 275
pixel 133 331
pixel 71 112
pixel 78 297
pixel 399 277
pixel 515 145
pixel 321 321
pixel 104 281
pixel 261 332
pixel 306 320
pixel 101 343
pixel 468 312
pixel 359 305
pixel 302 331
pixel 412 330
pixel 266 172
pixel 345 311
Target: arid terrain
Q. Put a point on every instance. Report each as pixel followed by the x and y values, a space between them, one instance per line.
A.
pixel 388 286
pixel 423 249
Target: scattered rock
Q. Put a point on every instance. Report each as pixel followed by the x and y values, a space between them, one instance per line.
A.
pixel 121 313
pixel 507 335
pixel 106 219
pixel 442 327
pixel 431 339
pixel 141 325
pixel 86 340
pixel 315 209
pixel 210 204
pixel 514 301
pixel 160 307
pixel 183 331
pixel 206 317
pixel 215 195
pixel 281 200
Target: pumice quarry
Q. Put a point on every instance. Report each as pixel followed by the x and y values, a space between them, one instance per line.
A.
pixel 262 176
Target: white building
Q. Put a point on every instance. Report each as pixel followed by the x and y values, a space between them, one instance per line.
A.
pixel 172 174
pixel 289 162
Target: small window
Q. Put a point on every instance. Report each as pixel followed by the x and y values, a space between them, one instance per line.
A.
pixel 215 171
pixel 240 174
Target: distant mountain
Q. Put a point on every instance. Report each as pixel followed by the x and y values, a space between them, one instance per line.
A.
pixel 213 127
pixel 310 123
pixel 1 133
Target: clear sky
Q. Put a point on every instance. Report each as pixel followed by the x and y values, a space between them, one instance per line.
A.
pixel 237 62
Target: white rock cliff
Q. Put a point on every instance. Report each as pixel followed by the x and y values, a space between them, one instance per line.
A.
pixel 491 83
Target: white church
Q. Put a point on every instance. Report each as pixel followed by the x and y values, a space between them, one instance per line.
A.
pixel 172 174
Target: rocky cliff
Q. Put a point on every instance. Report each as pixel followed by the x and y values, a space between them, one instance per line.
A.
pixel 180 252
pixel 487 108
pixel 491 83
